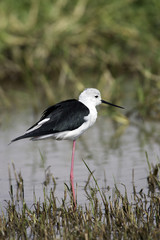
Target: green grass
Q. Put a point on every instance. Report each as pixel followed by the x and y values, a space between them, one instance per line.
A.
pixel 49 48
pixel 103 217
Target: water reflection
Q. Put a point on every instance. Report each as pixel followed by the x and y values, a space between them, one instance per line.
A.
pixel 111 155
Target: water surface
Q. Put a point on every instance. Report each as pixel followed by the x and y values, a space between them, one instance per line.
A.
pixel 111 157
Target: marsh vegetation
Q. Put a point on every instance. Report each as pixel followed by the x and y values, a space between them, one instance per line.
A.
pixel 54 48
pixel 104 217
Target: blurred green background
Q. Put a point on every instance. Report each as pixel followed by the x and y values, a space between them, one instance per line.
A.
pixel 51 50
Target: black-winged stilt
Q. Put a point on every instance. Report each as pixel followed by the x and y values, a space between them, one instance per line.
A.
pixel 67 120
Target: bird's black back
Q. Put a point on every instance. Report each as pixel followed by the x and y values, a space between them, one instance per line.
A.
pixel 64 116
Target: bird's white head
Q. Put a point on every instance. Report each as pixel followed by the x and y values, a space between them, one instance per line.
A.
pixel 90 96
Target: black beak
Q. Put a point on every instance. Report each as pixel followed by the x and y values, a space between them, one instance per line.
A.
pixel 111 104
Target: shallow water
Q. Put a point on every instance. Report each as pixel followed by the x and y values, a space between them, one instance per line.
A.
pixel 112 157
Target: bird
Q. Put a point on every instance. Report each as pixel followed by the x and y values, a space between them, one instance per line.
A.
pixel 67 120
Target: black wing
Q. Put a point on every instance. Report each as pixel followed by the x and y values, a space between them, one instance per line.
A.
pixel 63 116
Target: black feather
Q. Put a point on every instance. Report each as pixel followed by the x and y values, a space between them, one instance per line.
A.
pixel 64 116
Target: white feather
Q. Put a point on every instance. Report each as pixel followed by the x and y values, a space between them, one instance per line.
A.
pixel 38 125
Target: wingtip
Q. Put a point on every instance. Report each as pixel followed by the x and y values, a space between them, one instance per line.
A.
pixel 13 140
pixel 9 143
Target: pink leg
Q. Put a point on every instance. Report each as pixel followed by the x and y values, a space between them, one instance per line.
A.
pixel 71 173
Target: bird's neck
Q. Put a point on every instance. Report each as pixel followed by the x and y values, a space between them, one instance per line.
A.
pixel 90 106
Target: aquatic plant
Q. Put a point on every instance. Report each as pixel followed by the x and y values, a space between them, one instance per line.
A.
pixel 103 217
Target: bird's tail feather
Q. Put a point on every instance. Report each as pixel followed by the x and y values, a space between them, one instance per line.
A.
pixel 21 137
